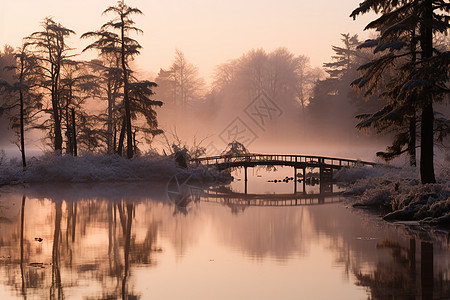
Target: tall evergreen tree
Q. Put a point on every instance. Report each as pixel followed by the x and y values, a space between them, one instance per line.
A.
pixel 51 49
pixel 108 41
pixel 418 73
pixel 333 99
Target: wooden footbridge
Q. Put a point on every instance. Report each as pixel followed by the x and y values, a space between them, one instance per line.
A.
pixel 326 165
pixel 297 161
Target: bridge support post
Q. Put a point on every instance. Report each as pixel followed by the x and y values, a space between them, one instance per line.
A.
pixel 295 180
pixel 246 179
pixel 304 180
pixel 245 170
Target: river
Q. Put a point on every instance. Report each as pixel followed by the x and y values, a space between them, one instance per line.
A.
pixel 176 241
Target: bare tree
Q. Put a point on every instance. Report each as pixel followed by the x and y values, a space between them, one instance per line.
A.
pixel 181 84
pixel 21 95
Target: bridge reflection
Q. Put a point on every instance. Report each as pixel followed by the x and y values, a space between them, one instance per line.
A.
pixel 190 194
pixel 270 199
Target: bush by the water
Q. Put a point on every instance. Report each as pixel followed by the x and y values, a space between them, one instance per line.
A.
pixel 399 190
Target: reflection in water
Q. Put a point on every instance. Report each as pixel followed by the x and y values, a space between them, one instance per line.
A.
pixel 115 243
pixel 22 217
pixel 401 278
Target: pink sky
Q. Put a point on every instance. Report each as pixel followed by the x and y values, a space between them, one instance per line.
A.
pixel 208 32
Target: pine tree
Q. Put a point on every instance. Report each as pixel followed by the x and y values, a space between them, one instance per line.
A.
pixel 418 73
pixel 344 57
pixel 51 50
pixel 108 41
pixel 333 99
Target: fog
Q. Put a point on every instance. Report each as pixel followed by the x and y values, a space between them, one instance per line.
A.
pixel 284 89
pixel 272 102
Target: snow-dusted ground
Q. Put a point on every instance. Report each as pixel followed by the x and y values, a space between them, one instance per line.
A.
pixel 100 168
pixel 400 191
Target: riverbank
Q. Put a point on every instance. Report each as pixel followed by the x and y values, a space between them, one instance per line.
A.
pixel 398 190
pixel 102 168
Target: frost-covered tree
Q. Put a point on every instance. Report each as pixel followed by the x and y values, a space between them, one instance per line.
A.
pixel 51 49
pixel 76 86
pixel 20 98
pixel 235 148
pixel 411 71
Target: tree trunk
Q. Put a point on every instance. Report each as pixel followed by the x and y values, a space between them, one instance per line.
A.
pixel 58 140
pixel 115 138
pixel 121 138
pixel 22 138
pixel 427 151
pixel 74 134
pixel 134 142
pixel 109 130
pixel 69 146
pixel 427 134
pixel 412 141
pixel 126 100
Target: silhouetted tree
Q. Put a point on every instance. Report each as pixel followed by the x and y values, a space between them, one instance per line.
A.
pixel 420 72
pixel 180 84
pixel 123 45
pixel 109 83
pixel 333 99
pixel 51 50
pixel 344 57
pixel 20 99
pixel 142 105
pixel 76 86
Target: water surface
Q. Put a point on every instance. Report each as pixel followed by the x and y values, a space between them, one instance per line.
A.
pixel 131 241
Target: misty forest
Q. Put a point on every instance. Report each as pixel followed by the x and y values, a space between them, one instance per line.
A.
pixel 113 176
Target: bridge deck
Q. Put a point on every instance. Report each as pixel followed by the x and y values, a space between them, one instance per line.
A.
pixel 298 161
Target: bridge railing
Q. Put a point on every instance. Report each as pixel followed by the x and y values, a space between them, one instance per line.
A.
pixel 274 158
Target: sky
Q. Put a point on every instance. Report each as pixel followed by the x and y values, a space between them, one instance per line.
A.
pixel 207 32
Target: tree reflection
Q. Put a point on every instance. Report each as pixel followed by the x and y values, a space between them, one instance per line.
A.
pixel 398 278
pixel 22 221
pixel 56 291
pixel 71 252
pixel 127 233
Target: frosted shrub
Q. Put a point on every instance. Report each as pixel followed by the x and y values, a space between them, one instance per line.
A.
pixel 100 168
